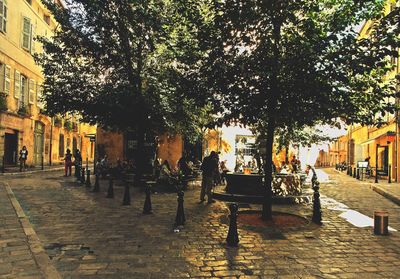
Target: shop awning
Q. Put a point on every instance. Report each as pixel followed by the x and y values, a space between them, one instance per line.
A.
pixel 388 134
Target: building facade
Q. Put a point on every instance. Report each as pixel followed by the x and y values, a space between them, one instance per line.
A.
pixel 21 120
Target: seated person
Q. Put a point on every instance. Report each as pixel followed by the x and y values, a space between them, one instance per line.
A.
pixel 183 165
pixel 167 177
pixel 224 170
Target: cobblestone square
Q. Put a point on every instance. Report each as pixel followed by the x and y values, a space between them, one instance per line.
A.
pixel 85 235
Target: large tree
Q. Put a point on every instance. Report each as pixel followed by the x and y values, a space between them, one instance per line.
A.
pixel 114 62
pixel 274 64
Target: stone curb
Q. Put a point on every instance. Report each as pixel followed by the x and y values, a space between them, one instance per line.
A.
pixel 385 194
pixel 30 172
pixel 35 245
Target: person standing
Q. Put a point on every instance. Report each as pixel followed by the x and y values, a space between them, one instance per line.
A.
pixel 23 155
pixel 78 162
pixel 208 168
pixel 68 163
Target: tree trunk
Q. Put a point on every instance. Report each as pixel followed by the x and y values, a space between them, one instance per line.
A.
pixel 287 153
pixel 267 205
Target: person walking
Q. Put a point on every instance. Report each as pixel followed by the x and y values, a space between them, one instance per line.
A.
pixel 68 163
pixel 23 155
pixel 208 168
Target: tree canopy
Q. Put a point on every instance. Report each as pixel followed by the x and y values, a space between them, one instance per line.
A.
pixel 289 64
pixel 115 63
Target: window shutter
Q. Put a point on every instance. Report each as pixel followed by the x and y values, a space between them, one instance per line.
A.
pixel 39 96
pixel 26 33
pixel 31 91
pixel 17 84
pixel 7 79
pixel 2 77
pixel 3 16
pixel 33 35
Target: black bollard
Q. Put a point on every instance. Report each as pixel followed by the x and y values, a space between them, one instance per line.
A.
pixel 83 175
pixel 358 173
pixel 350 171
pixel 127 196
pixel 147 202
pixel 389 178
pixel 42 164
pixel 88 184
pixel 77 172
pixel 96 187
pixel 317 214
pixel 354 173
pixel 110 191
pixel 233 238
pixel 180 213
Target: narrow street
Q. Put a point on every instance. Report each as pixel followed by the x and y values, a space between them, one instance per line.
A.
pixel 89 236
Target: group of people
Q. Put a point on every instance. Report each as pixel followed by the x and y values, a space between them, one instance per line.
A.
pixel 292 167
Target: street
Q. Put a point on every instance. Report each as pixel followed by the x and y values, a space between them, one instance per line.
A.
pixel 86 235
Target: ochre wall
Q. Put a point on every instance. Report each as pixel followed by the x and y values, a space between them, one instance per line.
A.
pixel 170 148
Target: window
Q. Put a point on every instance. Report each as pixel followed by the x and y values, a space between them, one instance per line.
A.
pixel 3 16
pixel 28 34
pixel 61 146
pixel 17 84
pixel 46 18
pixel 32 90
pixel 24 92
pixel 5 77
pixel 39 96
pixel 245 145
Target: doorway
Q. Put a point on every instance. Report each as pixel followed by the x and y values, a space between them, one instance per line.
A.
pixel 11 148
pixel 38 142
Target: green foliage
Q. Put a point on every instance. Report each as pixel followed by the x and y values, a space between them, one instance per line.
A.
pixel 3 102
pixel 57 121
pixel 68 125
pixel 114 63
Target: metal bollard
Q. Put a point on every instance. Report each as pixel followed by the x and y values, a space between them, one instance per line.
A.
pixel 180 213
pixel 127 196
pixel 96 187
pixel 147 202
pixel 389 177
pixel 233 238
pixel 110 191
pixel 358 174
pixel 354 173
pixel 350 171
pixel 88 184
pixel 317 214
pixel 381 222
pixel 42 163
pixel 77 172
pixel 83 175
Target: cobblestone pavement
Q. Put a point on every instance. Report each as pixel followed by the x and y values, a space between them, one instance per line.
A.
pixel 16 259
pixel 89 236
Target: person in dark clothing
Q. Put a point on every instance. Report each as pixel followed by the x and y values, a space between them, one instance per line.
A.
pixel 68 163
pixel 184 166
pixel 23 155
pixel 77 162
pixel 208 168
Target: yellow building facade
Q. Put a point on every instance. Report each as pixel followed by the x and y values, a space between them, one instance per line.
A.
pixel 21 120
pixel 380 144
